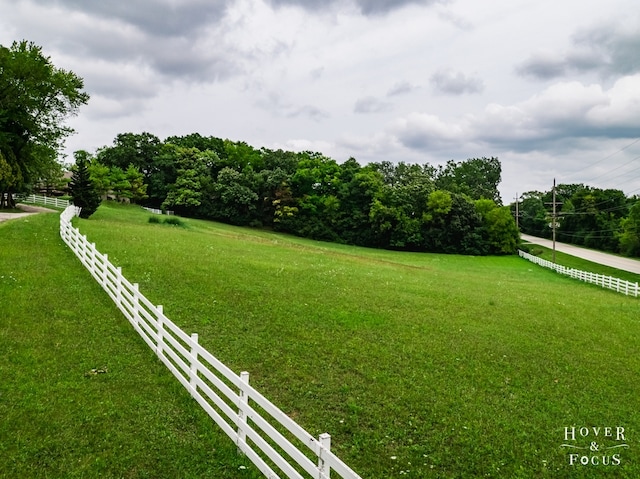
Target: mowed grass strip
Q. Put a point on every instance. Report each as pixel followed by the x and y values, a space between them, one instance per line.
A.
pixel 416 364
pixel 81 395
pixel 582 264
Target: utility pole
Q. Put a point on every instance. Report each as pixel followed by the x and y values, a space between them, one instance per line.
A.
pixel 553 256
pixel 517 214
pixel 553 225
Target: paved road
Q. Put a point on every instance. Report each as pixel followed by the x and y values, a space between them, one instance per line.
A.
pixel 625 264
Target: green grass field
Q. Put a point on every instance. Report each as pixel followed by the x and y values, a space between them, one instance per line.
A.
pixel 418 365
pixel 80 395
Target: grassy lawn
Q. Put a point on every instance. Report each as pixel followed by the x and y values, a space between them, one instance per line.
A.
pixel 418 365
pixel 80 395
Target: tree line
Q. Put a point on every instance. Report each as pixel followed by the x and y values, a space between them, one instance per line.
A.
pixel 603 219
pixel 454 208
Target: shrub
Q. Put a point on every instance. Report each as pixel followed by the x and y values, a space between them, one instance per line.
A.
pixel 154 219
pixel 174 221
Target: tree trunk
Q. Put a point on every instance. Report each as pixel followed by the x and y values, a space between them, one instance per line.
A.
pixel 11 203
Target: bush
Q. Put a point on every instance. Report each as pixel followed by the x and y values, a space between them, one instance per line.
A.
pixel 154 219
pixel 172 220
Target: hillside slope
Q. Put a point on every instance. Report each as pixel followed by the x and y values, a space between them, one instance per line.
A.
pixel 80 394
pixel 443 366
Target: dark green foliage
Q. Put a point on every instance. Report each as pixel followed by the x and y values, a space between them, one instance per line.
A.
pixel 83 192
pixel 477 178
pixel 172 220
pixel 384 205
pixel 35 99
pixel 145 154
pixel 199 142
pixel 591 217
pixel 533 216
pixel 629 235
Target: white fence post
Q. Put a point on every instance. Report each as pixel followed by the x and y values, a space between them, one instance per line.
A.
pixel 160 331
pixel 105 270
pixel 324 470
pixel 136 303
pixel 92 252
pixel 193 371
pixel 243 400
pixel 119 285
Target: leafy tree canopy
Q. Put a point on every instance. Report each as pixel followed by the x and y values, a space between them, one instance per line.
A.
pixel 388 205
pixel 477 178
pixel 35 99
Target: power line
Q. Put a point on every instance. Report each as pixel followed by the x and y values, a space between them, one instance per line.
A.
pixel 615 153
pixel 620 150
pixel 617 168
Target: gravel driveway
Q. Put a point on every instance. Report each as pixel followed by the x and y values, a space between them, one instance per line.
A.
pixel 27 210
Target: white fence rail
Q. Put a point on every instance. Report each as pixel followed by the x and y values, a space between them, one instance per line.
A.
pixel 271 442
pixel 44 200
pixel 156 211
pixel 609 282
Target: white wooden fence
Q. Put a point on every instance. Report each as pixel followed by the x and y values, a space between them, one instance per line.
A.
pixel 609 282
pixel 44 200
pixel 156 211
pixel 271 442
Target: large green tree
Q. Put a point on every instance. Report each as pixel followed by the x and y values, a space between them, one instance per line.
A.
pixel 35 100
pixel 477 177
pixel 629 235
pixel 188 192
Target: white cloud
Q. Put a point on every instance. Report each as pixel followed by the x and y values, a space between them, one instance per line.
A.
pixel 378 80
pixel 402 88
pixel 426 131
pixel 371 104
pixel 450 82
pixel 606 47
pixel 563 112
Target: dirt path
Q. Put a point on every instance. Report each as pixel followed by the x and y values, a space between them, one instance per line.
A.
pixel 27 210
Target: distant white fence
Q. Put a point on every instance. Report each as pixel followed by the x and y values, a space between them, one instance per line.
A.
pixel 44 200
pixel 156 211
pixel 609 282
pixel 274 442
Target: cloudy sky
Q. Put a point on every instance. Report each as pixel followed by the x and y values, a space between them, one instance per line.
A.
pixel 550 87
